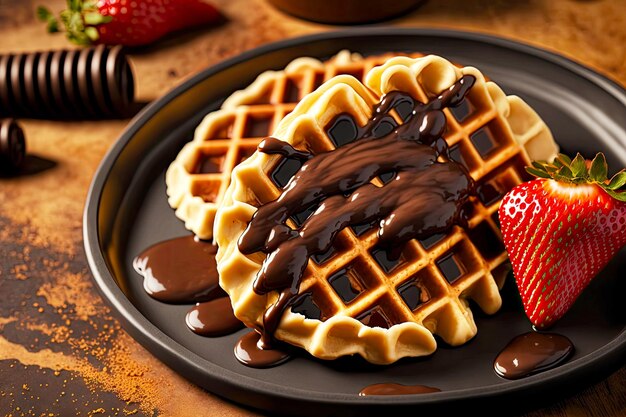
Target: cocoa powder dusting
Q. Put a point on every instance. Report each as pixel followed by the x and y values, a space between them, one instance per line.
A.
pixel 61 351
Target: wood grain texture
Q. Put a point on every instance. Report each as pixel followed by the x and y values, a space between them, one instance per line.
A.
pixel 57 331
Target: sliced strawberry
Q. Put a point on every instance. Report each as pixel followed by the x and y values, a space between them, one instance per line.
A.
pixel 560 230
pixel 128 22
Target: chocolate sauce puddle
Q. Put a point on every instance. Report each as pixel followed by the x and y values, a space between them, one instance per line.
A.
pixel 396 389
pixel 340 183
pixel 531 353
pixel 213 318
pixel 183 270
pixel 250 352
pixel 180 270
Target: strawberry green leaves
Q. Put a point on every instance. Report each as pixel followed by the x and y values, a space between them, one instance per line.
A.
pixel 599 168
pixel 79 21
pixel 578 171
pixel 617 181
pixel 579 167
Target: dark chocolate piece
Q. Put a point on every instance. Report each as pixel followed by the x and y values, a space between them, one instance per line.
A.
pixel 70 81
pixel 5 83
pixel 57 83
pixel 97 80
pixel 119 81
pixel 86 83
pixel 85 87
pixel 41 75
pixel 12 146
pixel 18 98
pixel 31 87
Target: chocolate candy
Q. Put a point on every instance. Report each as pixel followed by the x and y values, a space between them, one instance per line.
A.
pixel 12 146
pixel 90 83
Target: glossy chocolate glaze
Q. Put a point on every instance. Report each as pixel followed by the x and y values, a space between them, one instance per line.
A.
pixel 396 389
pixel 339 182
pixel 213 318
pixel 250 352
pixel 180 270
pixel 531 353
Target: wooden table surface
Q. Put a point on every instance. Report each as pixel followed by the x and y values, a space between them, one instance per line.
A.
pixel 61 351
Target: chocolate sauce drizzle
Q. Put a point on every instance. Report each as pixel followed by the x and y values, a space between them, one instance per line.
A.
pixel 340 183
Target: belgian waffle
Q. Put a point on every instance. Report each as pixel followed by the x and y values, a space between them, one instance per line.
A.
pixel 427 291
pixel 197 179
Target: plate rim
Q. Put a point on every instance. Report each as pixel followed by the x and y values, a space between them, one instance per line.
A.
pixel 229 384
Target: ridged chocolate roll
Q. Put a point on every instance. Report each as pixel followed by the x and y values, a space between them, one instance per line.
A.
pixel 88 83
pixel 12 146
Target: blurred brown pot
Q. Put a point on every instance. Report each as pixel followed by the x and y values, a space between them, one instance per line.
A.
pixel 345 11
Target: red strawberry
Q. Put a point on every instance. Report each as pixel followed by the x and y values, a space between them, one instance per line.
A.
pixel 128 22
pixel 560 230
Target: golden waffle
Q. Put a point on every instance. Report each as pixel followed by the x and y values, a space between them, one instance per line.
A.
pixel 228 136
pixel 492 135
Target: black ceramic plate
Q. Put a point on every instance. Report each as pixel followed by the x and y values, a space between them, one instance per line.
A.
pixel 127 211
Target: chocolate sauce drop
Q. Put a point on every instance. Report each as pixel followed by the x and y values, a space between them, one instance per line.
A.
pixel 249 352
pixel 180 270
pixel 531 353
pixel 213 318
pixel 396 389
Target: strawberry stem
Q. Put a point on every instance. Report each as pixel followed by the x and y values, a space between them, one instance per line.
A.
pixel 577 171
pixel 80 21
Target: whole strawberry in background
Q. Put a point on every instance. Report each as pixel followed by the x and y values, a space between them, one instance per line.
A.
pixel 128 22
pixel 560 230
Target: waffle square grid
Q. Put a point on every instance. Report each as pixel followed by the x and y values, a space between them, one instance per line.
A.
pixel 442 271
